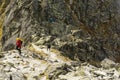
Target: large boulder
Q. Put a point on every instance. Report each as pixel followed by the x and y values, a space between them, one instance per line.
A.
pixel 107 63
pixel 17 76
pixel 4 76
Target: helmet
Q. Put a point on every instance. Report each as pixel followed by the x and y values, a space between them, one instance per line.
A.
pixel 17 38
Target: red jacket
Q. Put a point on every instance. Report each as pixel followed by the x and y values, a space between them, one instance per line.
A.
pixel 19 43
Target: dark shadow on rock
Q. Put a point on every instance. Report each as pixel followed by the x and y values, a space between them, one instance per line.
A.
pixel 82 53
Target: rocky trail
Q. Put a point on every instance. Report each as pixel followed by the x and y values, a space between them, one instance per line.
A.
pixel 82 33
pixel 52 66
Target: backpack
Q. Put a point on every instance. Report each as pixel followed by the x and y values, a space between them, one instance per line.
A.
pixel 21 41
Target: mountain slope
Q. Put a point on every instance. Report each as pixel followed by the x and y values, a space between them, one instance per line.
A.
pixel 86 30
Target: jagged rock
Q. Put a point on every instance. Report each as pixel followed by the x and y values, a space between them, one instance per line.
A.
pixel 1 67
pixel 75 63
pixel 79 34
pixel 14 69
pixel 17 76
pixel 116 74
pixel 1 55
pixel 40 42
pixel 55 70
pixel 100 73
pixel 7 68
pixel 4 76
pixel 107 63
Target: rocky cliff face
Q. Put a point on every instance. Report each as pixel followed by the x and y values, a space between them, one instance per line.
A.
pixel 82 29
pixel 3 5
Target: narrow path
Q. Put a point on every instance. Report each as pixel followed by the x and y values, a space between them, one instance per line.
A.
pixel 52 56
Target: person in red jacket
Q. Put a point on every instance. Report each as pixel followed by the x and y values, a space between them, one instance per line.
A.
pixel 18 45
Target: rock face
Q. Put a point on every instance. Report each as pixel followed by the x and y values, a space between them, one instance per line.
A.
pixel 82 29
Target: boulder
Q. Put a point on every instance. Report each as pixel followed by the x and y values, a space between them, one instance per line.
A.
pixel 4 76
pixel 17 76
pixel 100 73
pixel 107 63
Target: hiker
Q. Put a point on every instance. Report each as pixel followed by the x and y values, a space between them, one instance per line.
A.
pixel 51 19
pixel 48 47
pixel 18 45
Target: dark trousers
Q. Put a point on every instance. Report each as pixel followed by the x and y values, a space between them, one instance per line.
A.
pixel 48 47
pixel 19 49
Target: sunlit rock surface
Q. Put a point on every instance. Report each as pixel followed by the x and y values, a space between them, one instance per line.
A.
pixel 50 65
